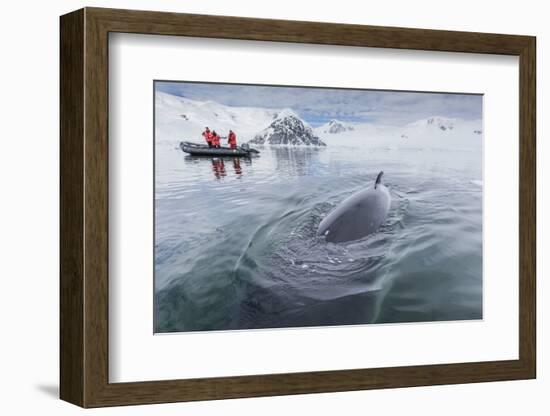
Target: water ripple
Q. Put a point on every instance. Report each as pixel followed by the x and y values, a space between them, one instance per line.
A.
pixel 236 244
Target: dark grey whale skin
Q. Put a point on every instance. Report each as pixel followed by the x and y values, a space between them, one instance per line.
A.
pixel 357 216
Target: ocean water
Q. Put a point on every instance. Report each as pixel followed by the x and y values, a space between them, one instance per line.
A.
pixel 236 245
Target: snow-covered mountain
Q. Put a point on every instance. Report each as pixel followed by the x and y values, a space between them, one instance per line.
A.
pixel 334 127
pixel 287 129
pixel 445 129
pixel 179 118
pixel 441 123
pixel 432 132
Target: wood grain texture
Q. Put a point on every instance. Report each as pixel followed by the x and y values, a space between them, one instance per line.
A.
pixel 71 185
pixel 96 208
pixel 194 25
pixel 528 207
pixel 84 207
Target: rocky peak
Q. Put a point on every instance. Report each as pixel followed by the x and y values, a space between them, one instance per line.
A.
pixel 287 129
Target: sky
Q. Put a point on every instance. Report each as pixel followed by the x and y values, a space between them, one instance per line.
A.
pixel 319 105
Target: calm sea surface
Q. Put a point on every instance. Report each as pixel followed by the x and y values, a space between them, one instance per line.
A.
pixel 236 244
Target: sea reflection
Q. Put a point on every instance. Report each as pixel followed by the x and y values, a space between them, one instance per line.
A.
pixel 237 167
pixel 295 161
pixel 220 167
pixel 279 161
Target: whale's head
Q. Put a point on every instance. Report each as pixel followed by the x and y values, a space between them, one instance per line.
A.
pixel 378 179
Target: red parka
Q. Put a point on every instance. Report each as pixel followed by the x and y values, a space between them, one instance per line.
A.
pixel 232 140
pixel 207 136
pixel 215 140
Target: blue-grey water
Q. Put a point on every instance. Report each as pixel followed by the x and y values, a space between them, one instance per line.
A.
pixel 236 244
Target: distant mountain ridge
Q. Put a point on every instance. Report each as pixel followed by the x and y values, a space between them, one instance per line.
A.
pixel 180 118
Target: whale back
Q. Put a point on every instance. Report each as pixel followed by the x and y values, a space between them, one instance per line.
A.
pixel 357 216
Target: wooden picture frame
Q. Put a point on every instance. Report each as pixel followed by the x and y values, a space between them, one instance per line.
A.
pixel 84 207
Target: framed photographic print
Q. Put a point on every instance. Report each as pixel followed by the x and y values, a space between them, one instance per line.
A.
pixel 255 207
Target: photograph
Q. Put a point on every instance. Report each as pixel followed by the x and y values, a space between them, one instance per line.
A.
pixel 292 206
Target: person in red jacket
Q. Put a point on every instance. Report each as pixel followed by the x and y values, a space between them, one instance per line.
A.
pixel 215 139
pixel 232 139
pixel 207 136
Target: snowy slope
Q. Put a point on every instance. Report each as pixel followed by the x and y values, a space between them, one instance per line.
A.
pixel 334 127
pixel 432 132
pixel 436 122
pixel 178 118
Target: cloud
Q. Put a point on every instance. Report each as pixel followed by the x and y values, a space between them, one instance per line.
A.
pixel 317 105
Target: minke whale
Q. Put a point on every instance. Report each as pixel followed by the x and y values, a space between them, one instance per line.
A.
pixel 357 216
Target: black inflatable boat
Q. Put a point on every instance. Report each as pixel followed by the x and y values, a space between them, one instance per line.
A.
pixel 203 150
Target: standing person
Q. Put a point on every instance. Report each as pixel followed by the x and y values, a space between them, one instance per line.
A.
pixel 207 136
pixel 232 139
pixel 215 140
